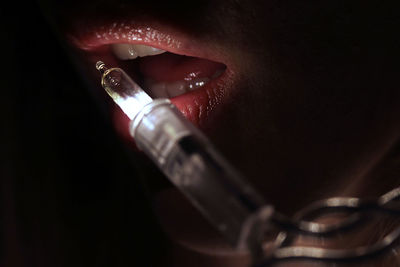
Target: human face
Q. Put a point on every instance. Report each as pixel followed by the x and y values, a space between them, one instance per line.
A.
pixel 306 102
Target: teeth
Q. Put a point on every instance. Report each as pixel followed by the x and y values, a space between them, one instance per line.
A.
pixel 176 88
pixel 159 90
pixel 172 89
pixel 131 51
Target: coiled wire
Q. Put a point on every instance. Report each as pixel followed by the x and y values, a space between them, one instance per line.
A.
pixel 302 224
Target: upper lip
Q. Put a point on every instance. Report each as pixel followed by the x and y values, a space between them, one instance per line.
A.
pixel 151 33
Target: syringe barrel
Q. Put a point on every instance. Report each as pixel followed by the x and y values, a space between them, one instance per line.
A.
pixel 191 163
pixel 185 155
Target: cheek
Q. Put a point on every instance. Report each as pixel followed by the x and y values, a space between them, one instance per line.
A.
pixel 304 122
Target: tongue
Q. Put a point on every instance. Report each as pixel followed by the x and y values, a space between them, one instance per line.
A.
pixel 169 67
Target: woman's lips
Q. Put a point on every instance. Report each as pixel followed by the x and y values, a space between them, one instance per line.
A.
pixel 144 31
pixel 196 105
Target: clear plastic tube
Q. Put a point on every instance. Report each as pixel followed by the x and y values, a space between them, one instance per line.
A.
pixel 189 160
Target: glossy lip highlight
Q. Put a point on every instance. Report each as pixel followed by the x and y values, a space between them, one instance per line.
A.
pixel 145 33
pixel 195 105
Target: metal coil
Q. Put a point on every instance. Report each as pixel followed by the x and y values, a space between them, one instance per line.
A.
pixel 357 212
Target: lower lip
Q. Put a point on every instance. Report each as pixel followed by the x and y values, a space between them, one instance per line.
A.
pixel 195 105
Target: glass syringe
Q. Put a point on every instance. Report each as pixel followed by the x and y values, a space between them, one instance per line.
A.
pixel 191 163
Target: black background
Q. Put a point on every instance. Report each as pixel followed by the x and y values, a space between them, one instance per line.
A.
pixel 69 195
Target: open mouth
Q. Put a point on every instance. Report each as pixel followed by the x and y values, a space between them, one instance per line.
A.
pixel 166 64
pixel 164 74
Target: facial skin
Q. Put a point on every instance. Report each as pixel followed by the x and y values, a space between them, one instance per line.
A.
pixel 313 112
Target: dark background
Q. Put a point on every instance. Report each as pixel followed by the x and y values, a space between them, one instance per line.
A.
pixel 69 195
